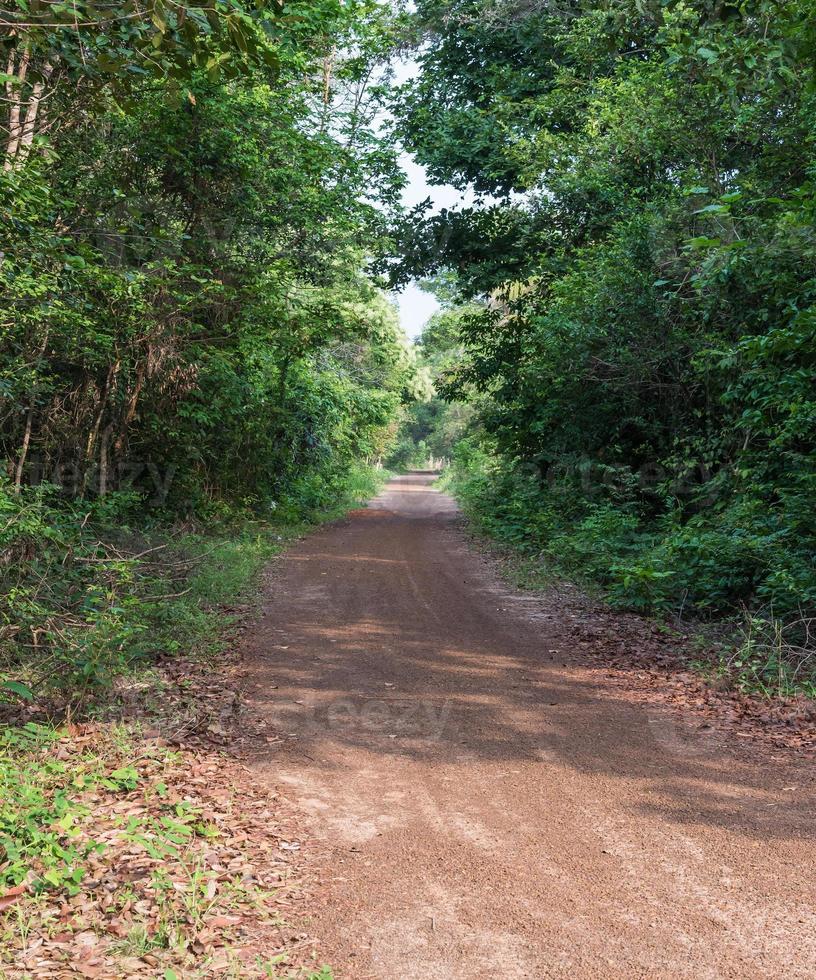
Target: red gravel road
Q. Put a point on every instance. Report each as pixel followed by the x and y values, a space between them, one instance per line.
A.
pixel 484 803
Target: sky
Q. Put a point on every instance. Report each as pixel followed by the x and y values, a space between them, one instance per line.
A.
pixel 416 306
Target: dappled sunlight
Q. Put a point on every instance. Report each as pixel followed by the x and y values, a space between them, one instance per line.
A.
pixel 402 665
pixel 363 559
pixel 436 731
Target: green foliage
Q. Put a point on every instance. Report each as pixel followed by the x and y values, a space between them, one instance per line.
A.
pixel 430 427
pixel 190 200
pixel 408 454
pixel 69 604
pixel 40 809
pixel 96 38
pixel 186 308
pixel 644 368
pixel 655 566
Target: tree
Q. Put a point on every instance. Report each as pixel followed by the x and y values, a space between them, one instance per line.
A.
pixel 188 247
pixel 650 293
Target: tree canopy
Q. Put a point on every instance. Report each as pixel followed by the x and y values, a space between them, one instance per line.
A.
pixel 198 200
pixel 188 218
pixel 645 236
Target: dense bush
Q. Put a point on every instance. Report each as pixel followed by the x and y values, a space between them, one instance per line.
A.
pixel 188 328
pixel 648 562
pixel 645 367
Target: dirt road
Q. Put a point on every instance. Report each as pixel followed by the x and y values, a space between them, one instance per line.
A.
pixel 484 805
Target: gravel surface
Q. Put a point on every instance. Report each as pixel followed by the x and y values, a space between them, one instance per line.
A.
pixel 483 802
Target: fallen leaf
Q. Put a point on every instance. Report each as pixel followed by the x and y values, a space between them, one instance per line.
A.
pixel 12 895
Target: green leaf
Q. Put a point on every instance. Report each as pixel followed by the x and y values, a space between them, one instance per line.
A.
pixel 15 687
pixel 702 241
pixel 158 18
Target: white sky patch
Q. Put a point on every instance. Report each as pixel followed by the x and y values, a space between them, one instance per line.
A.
pixel 415 305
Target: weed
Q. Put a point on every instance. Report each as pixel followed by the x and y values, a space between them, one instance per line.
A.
pixel 772 658
pixel 137 942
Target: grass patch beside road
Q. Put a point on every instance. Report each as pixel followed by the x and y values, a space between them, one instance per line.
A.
pixel 130 845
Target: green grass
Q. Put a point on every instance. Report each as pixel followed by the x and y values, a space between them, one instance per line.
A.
pixel 101 600
pixel 175 599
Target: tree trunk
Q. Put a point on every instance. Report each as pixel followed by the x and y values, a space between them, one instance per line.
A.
pixel 132 403
pixel 18 476
pixel 32 402
pixel 14 94
pixel 103 462
pixel 23 128
pixel 30 125
pixel 93 435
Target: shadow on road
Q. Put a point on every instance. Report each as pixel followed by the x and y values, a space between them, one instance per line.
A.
pixel 385 637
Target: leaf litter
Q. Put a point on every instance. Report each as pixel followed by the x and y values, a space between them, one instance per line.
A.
pixel 191 868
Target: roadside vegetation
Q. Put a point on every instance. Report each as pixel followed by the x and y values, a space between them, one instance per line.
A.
pixel 196 364
pixel 199 221
pixel 642 367
pixel 191 200
pixel 131 846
